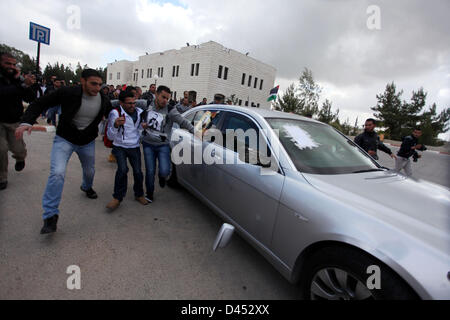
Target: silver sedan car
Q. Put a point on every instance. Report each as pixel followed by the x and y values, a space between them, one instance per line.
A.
pixel 325 214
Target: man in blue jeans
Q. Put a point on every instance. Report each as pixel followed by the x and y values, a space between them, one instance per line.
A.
pixel 124 130
pixel 158 122
pixel 82 109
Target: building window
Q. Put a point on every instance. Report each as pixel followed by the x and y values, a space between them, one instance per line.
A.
pixel 256 83
pixel 240 102
pixel 151 72
pixel 148 73
pixel 142 74
pixel 220 72
pixel 261 85
pixel 249 81
pixel 173 71
pixel 243 79
pixel 225 75
pixel 178 70
pixel 257 105
pixel 197 68
pixel 110 76
pixel 118 75
pixel 162 72
pixel 175 96
pixel 192 69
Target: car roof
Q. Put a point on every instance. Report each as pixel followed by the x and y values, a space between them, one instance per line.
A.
pixel 255 112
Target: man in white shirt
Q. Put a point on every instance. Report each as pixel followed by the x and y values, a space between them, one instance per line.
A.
pixel 124 130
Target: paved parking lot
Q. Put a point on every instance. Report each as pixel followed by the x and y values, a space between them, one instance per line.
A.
pixel 162 251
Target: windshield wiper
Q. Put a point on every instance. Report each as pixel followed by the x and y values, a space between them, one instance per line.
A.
pixel 369 170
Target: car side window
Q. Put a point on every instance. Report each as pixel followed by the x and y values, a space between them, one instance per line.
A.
pixel 207 120
pixel 241 135
pixel 190 117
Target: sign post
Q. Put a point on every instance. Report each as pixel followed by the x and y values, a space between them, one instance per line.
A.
pixel 40 34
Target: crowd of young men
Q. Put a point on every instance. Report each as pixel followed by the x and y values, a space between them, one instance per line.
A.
pixel 132 119
pixel 82 110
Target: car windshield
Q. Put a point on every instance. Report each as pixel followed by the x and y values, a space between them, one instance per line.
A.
pixel 318 148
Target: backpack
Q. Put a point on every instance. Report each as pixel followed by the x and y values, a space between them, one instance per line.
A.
pixel 108 143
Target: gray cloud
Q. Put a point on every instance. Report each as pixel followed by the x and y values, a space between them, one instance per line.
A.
pixel 329 37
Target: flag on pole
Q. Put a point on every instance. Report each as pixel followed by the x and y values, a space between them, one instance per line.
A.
pixel 273 94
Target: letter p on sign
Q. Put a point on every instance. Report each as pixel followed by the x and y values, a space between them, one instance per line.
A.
pixel 74 280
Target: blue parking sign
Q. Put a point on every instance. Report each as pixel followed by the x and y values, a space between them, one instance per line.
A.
pixel 39 33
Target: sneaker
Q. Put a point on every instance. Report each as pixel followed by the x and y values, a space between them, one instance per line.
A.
pixel 142 201
pixel 149 198
pixel 3 185
pixel 111 158
pixel 113 205
pixel 50 225
pixel 162 182
pixel 19 165
pixel 91 194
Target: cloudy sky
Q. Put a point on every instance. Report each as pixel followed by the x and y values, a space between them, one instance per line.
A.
pixel 351 61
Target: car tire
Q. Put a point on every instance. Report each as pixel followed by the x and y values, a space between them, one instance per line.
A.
pixel 341 273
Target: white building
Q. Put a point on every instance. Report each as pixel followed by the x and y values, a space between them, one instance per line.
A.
pixel 205 70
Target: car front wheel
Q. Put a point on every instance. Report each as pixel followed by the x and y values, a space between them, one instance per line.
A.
pixel 342 273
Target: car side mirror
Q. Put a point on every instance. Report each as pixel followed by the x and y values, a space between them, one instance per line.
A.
pixel 224 236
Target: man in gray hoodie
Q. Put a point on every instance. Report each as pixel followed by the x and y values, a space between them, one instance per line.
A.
pixel 157 123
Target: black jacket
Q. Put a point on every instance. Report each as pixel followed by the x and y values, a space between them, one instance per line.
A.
pixel 12 94
pixel 371 141
pixel 407 143
pixel 69 98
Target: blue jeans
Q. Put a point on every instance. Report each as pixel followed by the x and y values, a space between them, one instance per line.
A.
pixel 121 180
pixel 61 152
pixel 151 153
pixel 51 115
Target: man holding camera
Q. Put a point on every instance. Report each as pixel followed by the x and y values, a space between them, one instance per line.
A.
pixel 157 124
pixel 14 89
pixel 407 150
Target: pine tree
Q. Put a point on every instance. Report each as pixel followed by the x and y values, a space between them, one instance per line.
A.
pixel 326 115
pixel 433 124
pixel 289 101
pixel 389 111
pixel 308 94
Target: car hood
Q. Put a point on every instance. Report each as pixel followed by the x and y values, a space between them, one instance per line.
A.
pixel 417 207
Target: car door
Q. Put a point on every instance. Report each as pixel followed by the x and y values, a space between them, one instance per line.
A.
pixel 244 190
pixel 194 172
pixel 182 142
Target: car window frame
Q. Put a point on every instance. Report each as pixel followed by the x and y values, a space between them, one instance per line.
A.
pixel 258 125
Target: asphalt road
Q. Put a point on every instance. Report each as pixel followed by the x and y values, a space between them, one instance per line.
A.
pixel 433 166
pixel 161 251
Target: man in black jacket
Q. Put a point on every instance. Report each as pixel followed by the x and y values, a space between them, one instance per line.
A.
pixel 82 109
pixel 13 90
pixel 408 150
pixel 370 141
